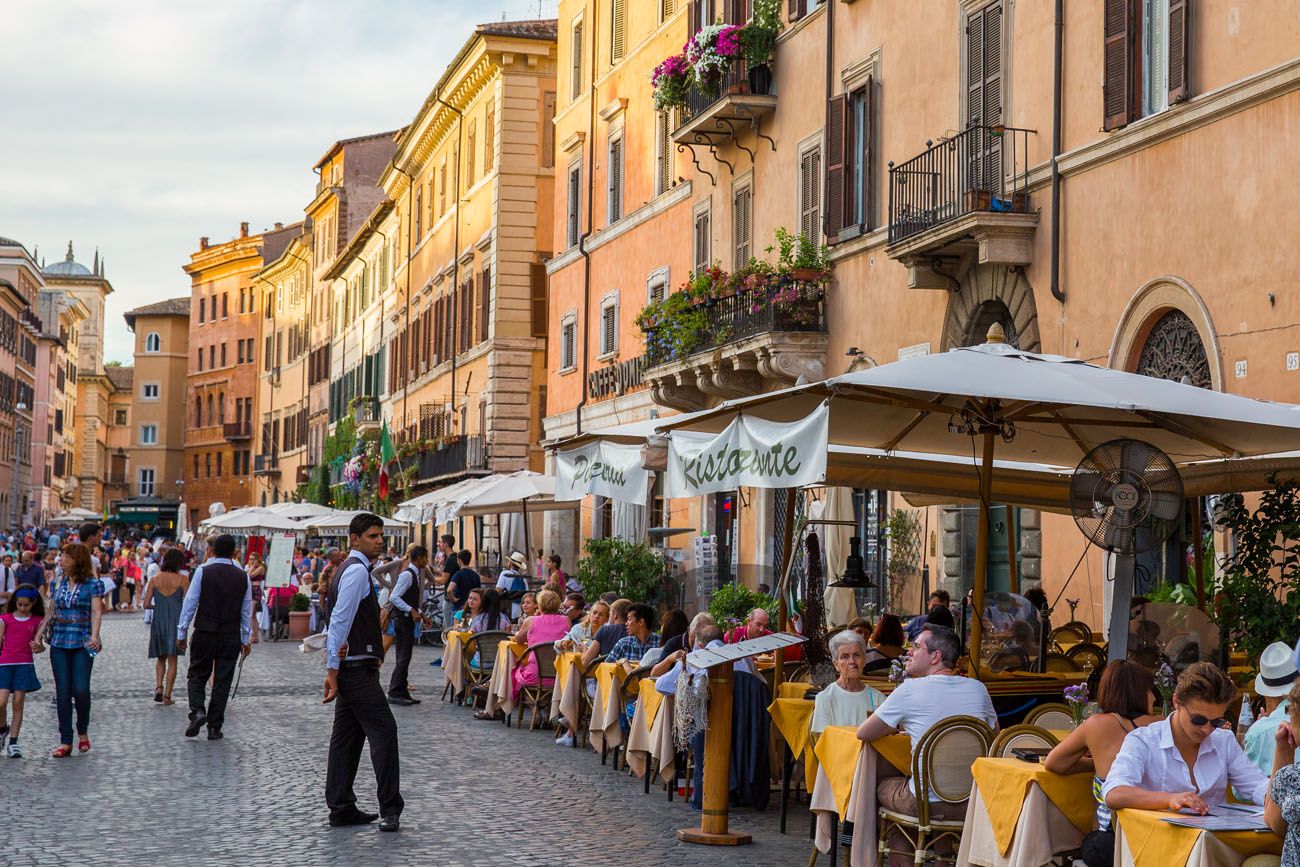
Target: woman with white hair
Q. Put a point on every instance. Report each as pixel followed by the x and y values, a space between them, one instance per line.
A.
pixel 676 648
pixel 847 701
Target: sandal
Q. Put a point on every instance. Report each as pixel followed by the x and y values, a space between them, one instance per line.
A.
pixel 62 752
pixel 83 744
pixel 158 695
pixel 167 699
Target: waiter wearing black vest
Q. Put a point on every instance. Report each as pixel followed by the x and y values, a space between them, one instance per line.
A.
pixel 354 649
pixel 405 601
pixel 219 602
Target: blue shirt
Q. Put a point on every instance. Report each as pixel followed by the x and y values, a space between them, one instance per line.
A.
pixel 1259 743
pixel 628 648
pixel 353 586
pixel 72 613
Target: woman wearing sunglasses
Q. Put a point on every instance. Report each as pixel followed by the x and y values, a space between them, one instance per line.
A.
pixel 1186 762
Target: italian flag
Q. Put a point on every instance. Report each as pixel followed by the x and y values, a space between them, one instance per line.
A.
pixel 386 457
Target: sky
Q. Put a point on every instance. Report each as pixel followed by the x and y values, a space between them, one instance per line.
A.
pixel 136 128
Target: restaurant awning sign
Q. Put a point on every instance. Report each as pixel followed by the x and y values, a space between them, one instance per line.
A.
pixel 750 452
pixel 603 468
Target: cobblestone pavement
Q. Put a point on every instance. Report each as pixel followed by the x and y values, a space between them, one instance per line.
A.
pixel 476 792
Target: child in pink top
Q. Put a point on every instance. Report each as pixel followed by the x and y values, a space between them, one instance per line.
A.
pixel 20 626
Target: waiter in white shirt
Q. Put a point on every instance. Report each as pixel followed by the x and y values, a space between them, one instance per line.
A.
pixel 354 649
pixel 405 600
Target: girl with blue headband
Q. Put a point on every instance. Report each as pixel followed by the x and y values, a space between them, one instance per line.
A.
pixel 19 628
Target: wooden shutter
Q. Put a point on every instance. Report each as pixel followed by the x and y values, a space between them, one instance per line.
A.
pixel 740 222
pixel 489 136
pixel 1117 87
pixel 537 298
pixel 466 312
pixel 575 71
pixel 810 193
pixel 693 18
pixel 548 129
pixel 575 198
pixel 836 132
pixel 618 27
pixel 1179 70
pixel 485 303
pixel 663 154
pixel 991 112
pixel 608 326
pixel 614 180
pixel 975 68
pixel 796 9
pixel 702 239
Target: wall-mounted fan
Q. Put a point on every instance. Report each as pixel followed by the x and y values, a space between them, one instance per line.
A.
pixel 1127 498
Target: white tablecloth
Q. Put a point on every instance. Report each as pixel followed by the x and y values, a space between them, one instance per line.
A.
pixel 861 809
pixel 1041 833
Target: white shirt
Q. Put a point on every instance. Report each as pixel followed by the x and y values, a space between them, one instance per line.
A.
pixel 918 703
pixel 1149 760
pixel 353 586
pixel 403 584
pixel 505 581
pixel 153 570
pixel 190 606
pixel 836 706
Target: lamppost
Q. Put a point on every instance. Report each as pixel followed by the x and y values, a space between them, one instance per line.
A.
pixel 13 499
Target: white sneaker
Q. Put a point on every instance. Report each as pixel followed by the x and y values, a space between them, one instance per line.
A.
pixel 565 740
pixel 14 752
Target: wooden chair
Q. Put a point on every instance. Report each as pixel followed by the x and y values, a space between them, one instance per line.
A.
pixel 1053 715
pixel 479 680
pixel 1087 655
pixel 538 696
pixel 1061 662
pixel 1006 660
pixel 1021 737
pixel 941 769
pixel 584 702
pixel 1073 632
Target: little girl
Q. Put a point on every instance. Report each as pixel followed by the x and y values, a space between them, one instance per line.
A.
pixel 19 626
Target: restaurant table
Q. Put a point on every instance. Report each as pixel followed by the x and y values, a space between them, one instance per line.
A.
pixel 792 718
pixel 650 736
pixel 499 690
pixel 846 786
pixel 566 697
pixel 1022 815
pixel 1143 840
pixel 604 730
pixel 453 659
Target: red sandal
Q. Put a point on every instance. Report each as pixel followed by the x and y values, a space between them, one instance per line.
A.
pixel 83 745
pixel 62 752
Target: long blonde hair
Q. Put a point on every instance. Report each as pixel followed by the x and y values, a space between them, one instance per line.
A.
pixel 586 618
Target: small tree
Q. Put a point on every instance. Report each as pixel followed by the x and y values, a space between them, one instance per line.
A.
pixel 730 605
pixel 904 554
pixel 1256 604
pixel 631 569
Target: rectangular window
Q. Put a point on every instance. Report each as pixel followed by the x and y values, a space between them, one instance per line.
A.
pixel 199 360
pixel 212 356
pixel 666 10
pixel 149 391
pixel 202 310
pixel 239 351
pixel 442 190
pixel 148 434
pixel 574 204
pixel 212 312
pixel 657 287
pixel 614 177
pixel 575 63
pixel 419 212
pixel 663 153
pixel 223 353
pixel 1146 60
pixel 847 200
pixel 548 129
pixel 742 206
pixel 119 417
pixel 568 344
pixel 220 456
pixel 617 30
pixel 225 305
pixel 810 193
pixel 145 482
pixel 703 241
pixel 470 138
pixel 489 136
pixel 609 327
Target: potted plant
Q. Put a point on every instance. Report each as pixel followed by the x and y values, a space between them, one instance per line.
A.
pixel 299 616
pixel 671 82
pixel 710 52
pixel 759 43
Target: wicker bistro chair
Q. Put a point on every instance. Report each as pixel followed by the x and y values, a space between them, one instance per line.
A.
pixel 628 692
pixel 585 707
pixel 479 680
pixel 1021 737
pixel 1059 662
pixel 1087 656
pixel 538 696
pixel 1074 631
pixel 941 769
pixel 1053 715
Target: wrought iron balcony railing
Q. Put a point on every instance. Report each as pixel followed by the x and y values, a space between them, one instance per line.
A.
pixel 453 456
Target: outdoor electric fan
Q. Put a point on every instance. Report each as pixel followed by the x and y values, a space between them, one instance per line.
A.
pixel 1127 498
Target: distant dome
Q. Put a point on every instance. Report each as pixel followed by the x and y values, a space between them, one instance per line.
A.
pixel 69 267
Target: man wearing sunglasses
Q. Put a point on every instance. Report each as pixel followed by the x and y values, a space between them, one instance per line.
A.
pixel 1186 762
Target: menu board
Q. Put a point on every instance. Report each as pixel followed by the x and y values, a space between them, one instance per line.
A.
pixel 742 649
pixel 279 560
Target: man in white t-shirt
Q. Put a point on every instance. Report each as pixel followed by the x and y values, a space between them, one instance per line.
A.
pixel 932 693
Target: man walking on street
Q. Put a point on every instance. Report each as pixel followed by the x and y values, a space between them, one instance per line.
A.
pixel 220 604
pixel 405 600
pixel 353 652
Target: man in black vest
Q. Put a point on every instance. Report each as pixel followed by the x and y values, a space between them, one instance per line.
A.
pixel 220 604
pixel 405 601
pixel 354 649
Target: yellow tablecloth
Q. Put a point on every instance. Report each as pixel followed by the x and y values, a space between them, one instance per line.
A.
pixel 1154 843
pixel 792 689
pixel 564 662
pixel 792 717
pixel 501 688
pixel 651 698
pixel 607 675
pixel 837 751
pixel 1003 783
pixel 453 658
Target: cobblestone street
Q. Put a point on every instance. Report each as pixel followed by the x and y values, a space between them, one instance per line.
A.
pixel 476 793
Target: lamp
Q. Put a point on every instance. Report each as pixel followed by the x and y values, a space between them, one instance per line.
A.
pixel 855 574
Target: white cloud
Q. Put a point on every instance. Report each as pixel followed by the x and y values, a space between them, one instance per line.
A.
pixel 137 128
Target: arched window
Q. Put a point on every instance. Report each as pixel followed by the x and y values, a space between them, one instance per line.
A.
pixel 198 414
pixel 152 342
pixel 221 407
pixel 1173 350
pixel 211 417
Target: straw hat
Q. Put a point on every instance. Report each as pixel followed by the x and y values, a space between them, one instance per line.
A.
pixel 1277 670
pixel 519 560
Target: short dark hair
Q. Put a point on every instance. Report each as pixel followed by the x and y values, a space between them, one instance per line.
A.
pixel 465 556
pixel 1204 681
pixel 1036 597
pixel 946 642
pixel 448 540
pixel 576 597
pixel 362 522
pixel 889 631
pixel 173 560
pixel 417 551
pixel 555 560
pixel 941 595
pixel 223 545
pixel 941 615
pixel 88 529
pixel 643 612
pixel 1125 688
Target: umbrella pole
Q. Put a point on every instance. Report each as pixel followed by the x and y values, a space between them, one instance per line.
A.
pixel 528 544
pixel 782 597
pixel 1013 539
pixel 981 554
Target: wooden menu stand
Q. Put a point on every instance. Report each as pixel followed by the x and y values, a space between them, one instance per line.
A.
pixel 716 796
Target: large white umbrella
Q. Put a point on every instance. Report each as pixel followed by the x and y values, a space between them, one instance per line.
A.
pixel 975 402
pixel 250 521
pixel 336 522
pixel 298 511
pixel 424 508
pixel 75 516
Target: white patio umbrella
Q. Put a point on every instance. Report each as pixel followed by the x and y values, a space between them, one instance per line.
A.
pixel 250 521
pixel 424 508
pixel 975 402
pixel 299 511
pixel 336 522
pixel 74 516
pixel 522 492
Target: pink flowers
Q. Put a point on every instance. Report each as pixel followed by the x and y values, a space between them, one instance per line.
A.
pixel 729 41
pixel 671 67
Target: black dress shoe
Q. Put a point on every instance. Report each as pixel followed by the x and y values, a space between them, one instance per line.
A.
pixel 214 734
pixel 412 699
pixel 196 723
pixel 389 823
pixel 356 817
pixel 400 701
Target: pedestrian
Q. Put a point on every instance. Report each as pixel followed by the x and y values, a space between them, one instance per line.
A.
pixel 353 651
pixel 19 627
pixel 76 611
pixel 31 571
pixel 219 602
pixel 257 576
pixel 405 602
pixel 163 595
pixel 8 577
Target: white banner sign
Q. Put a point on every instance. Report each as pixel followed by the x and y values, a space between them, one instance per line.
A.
pixel 751 452
pixel 602 468
pixel 279 560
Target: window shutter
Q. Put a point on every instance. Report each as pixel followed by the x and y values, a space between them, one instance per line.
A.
pixel 702 238
pixel 975 68
pixel 663 154
pixel 575 193
pixel 1117 89
pixel 693 18
pixel 1179 87
pixel 489 137
pixel 548 129
pixel 810 195
pixel 740 225
pixel 618 24
pixel 796 9
pixel 575 72
pixel 614 177
pixel 836 131
pixel 607 326
pixel 537 293
pixel 485 303
pixel 991 113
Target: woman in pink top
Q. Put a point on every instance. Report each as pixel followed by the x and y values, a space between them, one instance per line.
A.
pixel 547 626
pixel 19 625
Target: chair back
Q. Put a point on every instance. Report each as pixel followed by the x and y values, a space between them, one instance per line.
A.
pixel 544 653
pixel 1053 715
pixel 487 647
pixel 631 689
pixel 1087 656
pixel 1072 632
pixel 1007 660
pixel 1062 662
pixel 941 762
pixel 1021 737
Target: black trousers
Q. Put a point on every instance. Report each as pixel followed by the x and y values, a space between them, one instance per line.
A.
pixel 212 653
pixel 403 643
pixel 362 713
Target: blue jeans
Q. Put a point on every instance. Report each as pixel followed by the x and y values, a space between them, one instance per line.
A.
pixel 72 684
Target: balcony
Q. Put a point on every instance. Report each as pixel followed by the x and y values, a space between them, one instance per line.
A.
pixel 365 409
pixel 304 473
pixel 266 465
pixel 714 117
pixel 236 431
pixel 963 201
pixel 751 342
pixel 451 457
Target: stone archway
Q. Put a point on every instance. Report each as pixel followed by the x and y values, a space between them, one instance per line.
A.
pixel 1166 331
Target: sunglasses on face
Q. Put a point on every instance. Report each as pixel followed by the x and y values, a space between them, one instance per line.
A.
pixel 1197 720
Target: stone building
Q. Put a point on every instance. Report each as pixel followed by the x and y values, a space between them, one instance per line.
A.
pixel 20 331
pixel 54 481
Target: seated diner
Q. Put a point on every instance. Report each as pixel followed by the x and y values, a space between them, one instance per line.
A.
pixel 846 701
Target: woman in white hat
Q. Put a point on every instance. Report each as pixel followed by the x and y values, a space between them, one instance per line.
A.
pixel 1277 671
